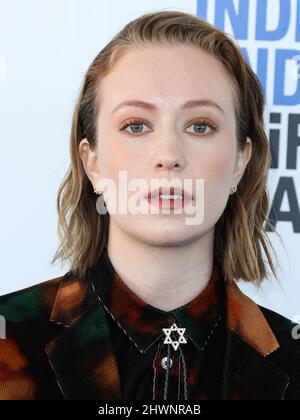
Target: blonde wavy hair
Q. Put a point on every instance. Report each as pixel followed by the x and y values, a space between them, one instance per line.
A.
pixel 240 240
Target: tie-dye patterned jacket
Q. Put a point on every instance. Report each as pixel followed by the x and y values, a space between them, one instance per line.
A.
pixel 56 343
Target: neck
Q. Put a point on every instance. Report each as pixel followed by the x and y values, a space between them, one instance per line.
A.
pixel 163 276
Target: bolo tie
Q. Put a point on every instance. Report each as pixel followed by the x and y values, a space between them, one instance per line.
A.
pixel 169 341
pixel 176 346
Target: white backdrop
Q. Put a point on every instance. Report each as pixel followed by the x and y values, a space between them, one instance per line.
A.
pixel 45 48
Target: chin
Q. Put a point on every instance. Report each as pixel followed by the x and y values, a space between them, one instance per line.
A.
pixel 166 236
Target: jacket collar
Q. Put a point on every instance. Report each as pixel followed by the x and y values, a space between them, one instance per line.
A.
pixel 143 323
pixel 82 355
pixel 248 374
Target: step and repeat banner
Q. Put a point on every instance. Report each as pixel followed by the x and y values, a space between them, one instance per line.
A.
pixel 45 48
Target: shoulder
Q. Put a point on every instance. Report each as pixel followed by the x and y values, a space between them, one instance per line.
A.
pixel 284 328
pixel 30 303
pixel 287 357
pixel 25 328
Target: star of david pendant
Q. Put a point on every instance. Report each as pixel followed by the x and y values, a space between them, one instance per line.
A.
pixel 168 339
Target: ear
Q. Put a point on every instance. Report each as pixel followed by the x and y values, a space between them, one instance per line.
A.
pixel 89 160
pixel 242 159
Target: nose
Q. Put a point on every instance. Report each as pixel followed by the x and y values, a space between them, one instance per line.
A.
pixel 169 156
pixel 168 163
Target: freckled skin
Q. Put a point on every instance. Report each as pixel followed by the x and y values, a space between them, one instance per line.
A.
pixel 175 258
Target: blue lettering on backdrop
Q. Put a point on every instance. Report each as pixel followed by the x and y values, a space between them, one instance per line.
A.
pixel 239 17
pixel 262 34
pixel 238 14
pixel 280 67
pixel 298 22
pixel 281 57
pixel 262 64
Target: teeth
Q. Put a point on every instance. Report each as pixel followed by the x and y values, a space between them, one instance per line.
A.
pixel 171 197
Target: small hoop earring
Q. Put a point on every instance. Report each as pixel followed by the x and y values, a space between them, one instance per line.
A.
pixel 233 189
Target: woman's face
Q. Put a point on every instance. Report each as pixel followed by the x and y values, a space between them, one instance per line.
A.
pixel 168 142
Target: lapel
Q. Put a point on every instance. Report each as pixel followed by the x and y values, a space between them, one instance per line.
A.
pixel 248 374
pixel 82 357
pixel 85 366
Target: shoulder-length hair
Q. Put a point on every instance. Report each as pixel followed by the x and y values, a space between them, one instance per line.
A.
pixel 240 240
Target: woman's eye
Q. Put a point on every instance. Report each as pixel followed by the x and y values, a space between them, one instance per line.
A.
pixel 135 125
pixel 202 127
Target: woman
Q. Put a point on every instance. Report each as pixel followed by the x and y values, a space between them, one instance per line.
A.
pixel 150 308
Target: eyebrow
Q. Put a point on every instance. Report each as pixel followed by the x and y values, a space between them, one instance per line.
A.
pixel 194 103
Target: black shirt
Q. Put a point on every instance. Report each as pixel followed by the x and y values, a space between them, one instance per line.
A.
pixel 193 369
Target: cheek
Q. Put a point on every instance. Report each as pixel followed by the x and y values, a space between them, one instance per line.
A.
pixel 220 168
pixel 116 155
pixel 112 157
pixel 215 164
pixel 216 168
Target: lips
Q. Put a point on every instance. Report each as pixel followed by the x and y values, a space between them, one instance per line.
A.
pixel 171 191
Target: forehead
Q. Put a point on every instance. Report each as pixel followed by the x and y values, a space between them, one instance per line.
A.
pixel 167 75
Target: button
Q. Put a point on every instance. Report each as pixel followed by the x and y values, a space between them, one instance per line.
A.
pixel 164 362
